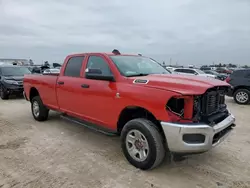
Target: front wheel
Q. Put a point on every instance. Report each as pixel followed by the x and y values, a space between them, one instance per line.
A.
pixel 242 96
pixel 39 111
pixel 142 144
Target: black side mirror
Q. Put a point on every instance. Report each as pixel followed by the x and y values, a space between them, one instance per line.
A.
pixel 195 73
pixel 96 74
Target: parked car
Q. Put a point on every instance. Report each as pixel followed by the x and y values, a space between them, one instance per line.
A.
pixel 191 71
pixel 170 69
pixel 240 82
pixel 223 70
pixel 11 80
pixel 51 71
pixel 203 68
pixel 156 113
pixel 219 76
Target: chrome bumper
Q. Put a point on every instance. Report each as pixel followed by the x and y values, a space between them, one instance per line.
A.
pixel 178 135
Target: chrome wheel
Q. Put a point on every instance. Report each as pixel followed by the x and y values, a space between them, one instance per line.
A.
pixel 242 97
pixel 137 145
pixel 35 107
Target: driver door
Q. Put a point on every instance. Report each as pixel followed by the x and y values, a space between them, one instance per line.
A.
pixel 98 96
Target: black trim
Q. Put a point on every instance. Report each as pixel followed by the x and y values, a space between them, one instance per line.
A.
pixel 95 127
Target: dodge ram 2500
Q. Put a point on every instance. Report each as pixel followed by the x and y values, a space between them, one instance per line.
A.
pixel 157 114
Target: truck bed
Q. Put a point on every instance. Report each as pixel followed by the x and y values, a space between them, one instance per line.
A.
pixel 46 86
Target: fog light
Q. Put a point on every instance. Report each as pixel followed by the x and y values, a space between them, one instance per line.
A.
pixel 194 138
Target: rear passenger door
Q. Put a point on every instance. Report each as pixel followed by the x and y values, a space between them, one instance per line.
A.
pixel 69 86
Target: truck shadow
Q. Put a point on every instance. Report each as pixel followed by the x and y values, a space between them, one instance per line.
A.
pixel 109 146
pixel 16 97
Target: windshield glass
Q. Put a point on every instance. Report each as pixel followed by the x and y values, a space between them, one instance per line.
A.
pixel 212 72
pixel 200 71
pixel 15 71
pixel 137 66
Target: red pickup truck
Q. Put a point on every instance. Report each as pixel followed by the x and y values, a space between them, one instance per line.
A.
pixel 156 113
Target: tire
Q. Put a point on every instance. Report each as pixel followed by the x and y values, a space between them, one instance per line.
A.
pixel 242 93
pixel 41 113
pixel 156 150
pixel 3 94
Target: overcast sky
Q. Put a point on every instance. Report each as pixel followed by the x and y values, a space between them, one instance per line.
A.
pixel 188 31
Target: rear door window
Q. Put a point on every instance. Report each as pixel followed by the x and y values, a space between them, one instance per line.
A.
pixel 238 73
pixel 178 70
pixel 188 71
pixel 73 67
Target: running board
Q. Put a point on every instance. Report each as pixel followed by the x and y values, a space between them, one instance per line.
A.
pixel 89 125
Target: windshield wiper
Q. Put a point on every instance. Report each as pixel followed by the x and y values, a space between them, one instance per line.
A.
pixel 139 74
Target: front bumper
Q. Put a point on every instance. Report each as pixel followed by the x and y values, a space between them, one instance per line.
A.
pixel 12 89
pixel 196 138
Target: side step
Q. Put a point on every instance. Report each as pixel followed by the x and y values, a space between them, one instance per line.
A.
pixel 89 125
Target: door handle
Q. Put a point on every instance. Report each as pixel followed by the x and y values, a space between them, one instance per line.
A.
pixel 85 86
pixel 60 83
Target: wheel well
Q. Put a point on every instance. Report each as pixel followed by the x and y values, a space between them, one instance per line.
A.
pixel 33 92
pixel 241 87
pixel 133 112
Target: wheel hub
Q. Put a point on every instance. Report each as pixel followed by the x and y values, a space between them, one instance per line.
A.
pixel 36 109
pixel 242 97
pixel 137 145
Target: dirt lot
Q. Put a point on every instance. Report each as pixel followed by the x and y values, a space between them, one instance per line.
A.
pixel 57 153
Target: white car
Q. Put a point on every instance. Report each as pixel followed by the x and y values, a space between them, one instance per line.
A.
pixel 191 71
pixel 51 71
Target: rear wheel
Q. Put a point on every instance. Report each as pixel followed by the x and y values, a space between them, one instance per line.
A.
pixel 3 94
pixel 39 111
pixel 242 96
pixel 142 144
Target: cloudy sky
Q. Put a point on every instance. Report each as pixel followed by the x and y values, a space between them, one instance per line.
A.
pixel 187 31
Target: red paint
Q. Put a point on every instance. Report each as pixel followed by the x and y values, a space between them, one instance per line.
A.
pixel 99 104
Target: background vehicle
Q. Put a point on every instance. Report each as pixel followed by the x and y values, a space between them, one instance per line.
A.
pixel 170 69
pixel 11 80
pixel 240 82
pixel 203 68
pixel 52 71
pixel 191 71
pixel 219 76
pixel 135 97
pixel 223 70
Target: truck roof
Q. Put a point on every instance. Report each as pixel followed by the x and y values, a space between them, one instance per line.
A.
pixel 102 53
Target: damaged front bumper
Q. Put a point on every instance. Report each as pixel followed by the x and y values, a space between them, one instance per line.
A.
pixel 196 137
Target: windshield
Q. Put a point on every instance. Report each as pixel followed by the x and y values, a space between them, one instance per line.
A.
pixel 212 72
pixel 15 71
pixel 137 66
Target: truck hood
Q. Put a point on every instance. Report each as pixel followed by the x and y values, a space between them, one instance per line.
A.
pixel 186 85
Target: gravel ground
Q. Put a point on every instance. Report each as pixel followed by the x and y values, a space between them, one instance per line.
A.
pixel 61 154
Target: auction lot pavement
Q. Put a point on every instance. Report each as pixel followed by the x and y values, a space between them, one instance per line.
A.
pixel 61 154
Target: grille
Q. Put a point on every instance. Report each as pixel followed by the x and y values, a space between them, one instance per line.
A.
pixel 211 102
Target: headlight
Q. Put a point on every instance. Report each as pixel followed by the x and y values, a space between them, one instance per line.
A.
pixel 11 82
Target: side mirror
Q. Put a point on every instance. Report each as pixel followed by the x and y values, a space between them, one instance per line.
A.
pixel 195 73
pixel 96 74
